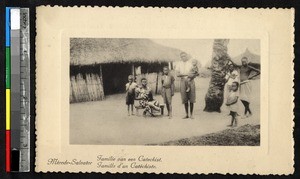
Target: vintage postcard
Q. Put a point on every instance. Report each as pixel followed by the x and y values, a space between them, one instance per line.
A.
pixel 164 90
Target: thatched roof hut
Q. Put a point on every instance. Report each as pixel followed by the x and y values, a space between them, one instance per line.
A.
pixel 252 58
pixel 87 51
pixel 101 66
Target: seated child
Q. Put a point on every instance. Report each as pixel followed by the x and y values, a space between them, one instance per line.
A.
pixel 130 94
pixel 192 74
pixel 232 102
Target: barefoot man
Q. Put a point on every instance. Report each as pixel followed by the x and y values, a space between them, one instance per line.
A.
pixel 245 90
pixel 183 69
pixel 167 89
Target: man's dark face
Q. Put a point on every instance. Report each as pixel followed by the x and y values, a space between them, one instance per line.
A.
pixel 166 71
pixel 244 62
pixel 183 57
pixel 234 87
pixel 144 83
pixel 231 68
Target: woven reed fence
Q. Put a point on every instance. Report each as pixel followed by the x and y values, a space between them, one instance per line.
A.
pixel 89 88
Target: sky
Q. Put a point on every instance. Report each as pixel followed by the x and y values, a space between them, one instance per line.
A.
pixel 201 49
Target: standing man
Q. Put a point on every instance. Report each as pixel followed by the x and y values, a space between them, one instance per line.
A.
pixel 167 89
pixel 183 69
pixel 245 90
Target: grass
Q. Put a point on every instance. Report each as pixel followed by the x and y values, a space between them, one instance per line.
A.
pixel 246 135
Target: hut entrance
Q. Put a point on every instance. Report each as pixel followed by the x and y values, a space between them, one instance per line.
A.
pixel 115 77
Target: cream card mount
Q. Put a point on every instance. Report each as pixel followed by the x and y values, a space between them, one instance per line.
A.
pixel 164 90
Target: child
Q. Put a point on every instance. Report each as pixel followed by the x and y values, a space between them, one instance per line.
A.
pixel 232 103
pixel 167 89
pixel 192 74
pixel 130 94
pixel 231 76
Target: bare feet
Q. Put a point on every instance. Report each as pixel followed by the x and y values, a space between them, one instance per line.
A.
pixel 192 117
pixel 246 116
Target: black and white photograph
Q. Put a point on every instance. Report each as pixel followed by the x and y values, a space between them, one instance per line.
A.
pixel 168 92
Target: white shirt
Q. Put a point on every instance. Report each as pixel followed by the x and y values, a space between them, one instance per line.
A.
pixel 184 68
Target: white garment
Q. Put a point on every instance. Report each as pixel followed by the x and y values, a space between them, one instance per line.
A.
pixel 246 90
pixel 232 95
pixel 184 68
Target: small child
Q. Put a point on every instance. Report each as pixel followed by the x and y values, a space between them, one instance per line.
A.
pixel 232 102
pixel 130 94
pixel 192 74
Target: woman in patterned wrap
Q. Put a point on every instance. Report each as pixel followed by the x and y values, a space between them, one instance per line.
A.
pixel 145 95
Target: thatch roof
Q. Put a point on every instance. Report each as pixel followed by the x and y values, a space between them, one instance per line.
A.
pixel 252 58
pixel 86 51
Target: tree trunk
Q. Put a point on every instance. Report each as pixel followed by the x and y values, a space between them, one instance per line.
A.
pixel 220 59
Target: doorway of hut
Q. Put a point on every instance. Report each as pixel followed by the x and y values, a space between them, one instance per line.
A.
pixel 115 76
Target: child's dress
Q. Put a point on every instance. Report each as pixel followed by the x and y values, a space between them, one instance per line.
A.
pixel 231 97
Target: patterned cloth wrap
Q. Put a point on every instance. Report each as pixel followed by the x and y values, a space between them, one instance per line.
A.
pixel 149 106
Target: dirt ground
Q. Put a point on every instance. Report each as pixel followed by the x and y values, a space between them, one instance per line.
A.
pixel 107 123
